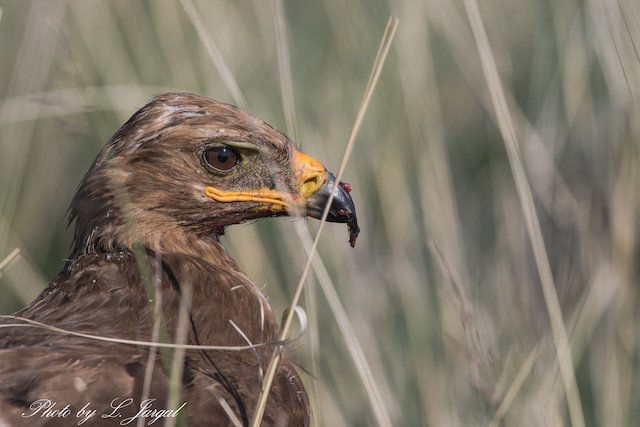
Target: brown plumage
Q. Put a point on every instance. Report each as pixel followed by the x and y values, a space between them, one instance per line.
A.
pixel 150 210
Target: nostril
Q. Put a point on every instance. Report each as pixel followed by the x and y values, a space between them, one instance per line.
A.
pixel 313 180
pixel 311 184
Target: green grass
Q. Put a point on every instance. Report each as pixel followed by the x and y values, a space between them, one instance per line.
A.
pixel 443 290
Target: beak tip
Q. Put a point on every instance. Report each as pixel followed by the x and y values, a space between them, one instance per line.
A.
pixel 342 207
pixel 354 230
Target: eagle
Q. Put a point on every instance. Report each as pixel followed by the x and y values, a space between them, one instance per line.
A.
pixel 148 216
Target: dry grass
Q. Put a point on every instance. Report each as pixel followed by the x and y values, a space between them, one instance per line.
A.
pixel 355 350
pixel 444 289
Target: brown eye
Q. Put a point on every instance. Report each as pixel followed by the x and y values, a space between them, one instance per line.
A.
pixel 222 158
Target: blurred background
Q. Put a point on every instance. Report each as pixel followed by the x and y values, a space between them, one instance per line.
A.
pixel 442 288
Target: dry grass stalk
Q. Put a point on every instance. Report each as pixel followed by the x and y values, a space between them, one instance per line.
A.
pixel 507 129
pixel 385 45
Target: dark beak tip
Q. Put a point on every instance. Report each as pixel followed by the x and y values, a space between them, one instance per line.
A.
pixel 343 210
pixel 354 230
pixel 342 207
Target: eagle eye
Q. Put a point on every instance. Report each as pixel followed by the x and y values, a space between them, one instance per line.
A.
pixel 222 158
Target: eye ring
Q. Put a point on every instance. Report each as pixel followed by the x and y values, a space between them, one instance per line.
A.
pixel 222 158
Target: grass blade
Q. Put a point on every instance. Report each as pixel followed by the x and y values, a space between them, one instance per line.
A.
pixel 507 129
pixel 275 358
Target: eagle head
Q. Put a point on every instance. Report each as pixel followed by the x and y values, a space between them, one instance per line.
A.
pixel 187 165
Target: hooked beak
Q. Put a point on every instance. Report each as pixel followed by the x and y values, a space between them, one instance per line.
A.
pixel 342 208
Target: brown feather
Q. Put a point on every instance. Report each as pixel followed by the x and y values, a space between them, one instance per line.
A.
pixel 144 190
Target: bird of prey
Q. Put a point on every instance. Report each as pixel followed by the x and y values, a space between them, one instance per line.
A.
pixel 148 215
